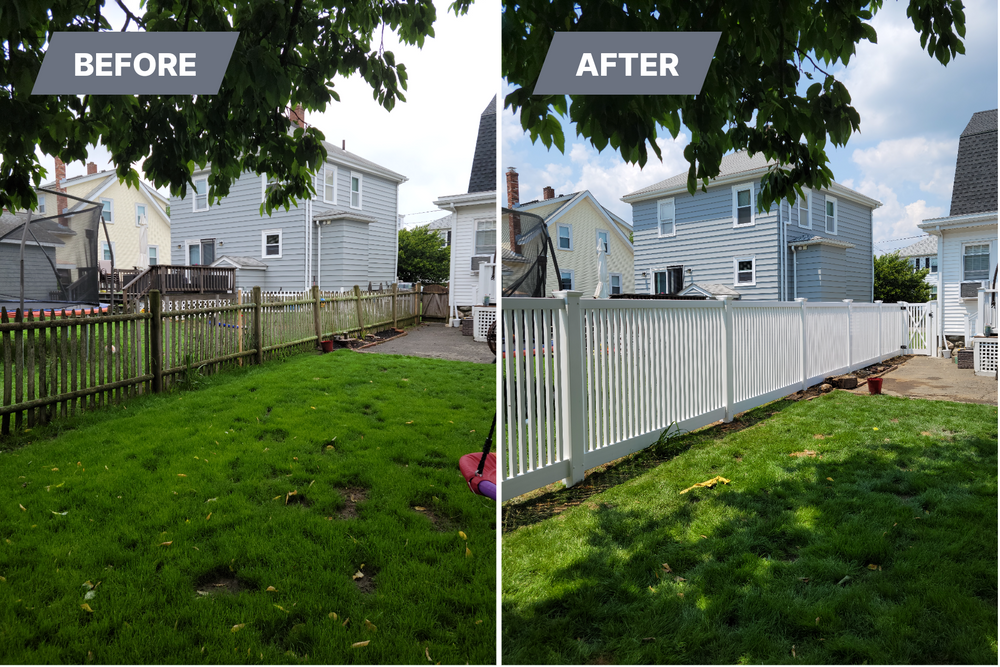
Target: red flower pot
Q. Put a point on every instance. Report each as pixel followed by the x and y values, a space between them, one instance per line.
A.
pixel 327 345
pixel 874 385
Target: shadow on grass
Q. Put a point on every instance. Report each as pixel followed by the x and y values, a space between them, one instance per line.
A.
pixel 780 572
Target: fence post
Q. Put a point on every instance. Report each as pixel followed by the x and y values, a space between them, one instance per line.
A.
pixel 729 351
pixel 802 340
pixel 316 322
pixel 906 327
pixel 980 314
pixel 258 325
pixel 361 319
pixel 850 338
pixel 881 356
pixel 395 295
pixel 418 308
pixel 574 426
pixel 156 339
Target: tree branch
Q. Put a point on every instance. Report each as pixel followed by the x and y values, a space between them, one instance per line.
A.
pixel 129 16
pixel 291 31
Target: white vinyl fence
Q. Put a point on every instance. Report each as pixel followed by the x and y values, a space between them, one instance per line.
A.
pixel 587 382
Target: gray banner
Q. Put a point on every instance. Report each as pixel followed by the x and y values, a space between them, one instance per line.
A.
pixel 626 63
pixel 135 63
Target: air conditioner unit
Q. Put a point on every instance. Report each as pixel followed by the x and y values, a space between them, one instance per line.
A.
pixel 970 290
pixel 479 259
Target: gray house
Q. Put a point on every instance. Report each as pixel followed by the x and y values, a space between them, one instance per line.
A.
pixel 716 241
pixel 344 236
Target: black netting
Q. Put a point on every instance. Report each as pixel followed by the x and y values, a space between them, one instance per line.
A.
pixel 61 262
pixel 526 254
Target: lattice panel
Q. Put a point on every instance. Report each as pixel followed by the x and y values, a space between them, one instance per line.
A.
pixel 986 357
pixel 484 317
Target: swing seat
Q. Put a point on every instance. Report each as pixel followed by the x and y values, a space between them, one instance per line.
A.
pixel 485 484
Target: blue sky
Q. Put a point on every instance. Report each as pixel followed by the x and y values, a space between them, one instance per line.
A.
pixel 912 111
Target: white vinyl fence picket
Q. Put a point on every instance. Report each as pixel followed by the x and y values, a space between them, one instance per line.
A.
pixel 586 382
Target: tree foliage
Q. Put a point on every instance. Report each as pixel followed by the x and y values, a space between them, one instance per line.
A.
pixel 288 53
pixel 751 98
pixel 422 256
pixel 896 280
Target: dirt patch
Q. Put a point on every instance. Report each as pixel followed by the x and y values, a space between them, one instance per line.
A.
pixel 352 496
pixel 440 522
pixel 222 581
pixel 366 584
pixel 296 498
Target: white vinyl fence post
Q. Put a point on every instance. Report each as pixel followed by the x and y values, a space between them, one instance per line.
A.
pixel 881 355
pixel 802 339
pixel 906 328
pixel 850 338
pixel 980 314
pixel 574 430
pixel 727 318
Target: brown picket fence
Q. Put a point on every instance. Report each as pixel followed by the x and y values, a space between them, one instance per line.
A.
pixel 53 367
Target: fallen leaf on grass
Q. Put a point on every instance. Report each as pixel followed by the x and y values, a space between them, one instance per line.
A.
pixel 237 628
pixel 427 652
pixel 86 607
pixel 462 535
pixel 808 452
pixel 59 513
pixel 270 589
pixel 22 507
pixel 467 552
pixel 925 433
pixel 844 580
pixel 369 626
pixel 360 644
pixel 87 585
pixel 680 595
pixel 829 479
pixel 709 483
pixel 874 428
pixel 276 497
pixel 211 500
pixel 333 615
pixel 358 575
pixel 679 579
pixel 409 422
pixel 180 474
pixel 90 595
pixel 290 494
pixel 55 469
pixel 793 650
pixel 667 568
pixel 649 639
pixel 311 407
pixel 804 580
pixel 346 621
pixel 419 508
pixel 705 537
pixel 819 436
pixel 817 620
pixel 208 517
pixel 281 608
pixel 166 544
pixel 872 566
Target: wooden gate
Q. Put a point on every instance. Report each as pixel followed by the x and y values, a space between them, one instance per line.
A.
pixel 435 302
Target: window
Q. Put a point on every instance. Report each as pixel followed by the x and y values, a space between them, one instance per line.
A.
pixel 330 184
pixel 665 217
pixel 41 205
pixel 932 264
pixel 194 255
pixel 270 243
pixel 976 262
pixel 831 215
pixel 154 255
pixel 486 237
pixel 108 211
pixel 140 213
pixel 744 271
pixel 200 253
pixel 668 281
pixel 355 190
pixel 743 213
pixel 565 235
pixel 616 283
pixel 933 292
pixel 602 239
pixel 201 194
pixel 106 252
pixel 565 279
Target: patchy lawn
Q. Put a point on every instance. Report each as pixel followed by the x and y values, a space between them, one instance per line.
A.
pixel 852 529
pixel 309 510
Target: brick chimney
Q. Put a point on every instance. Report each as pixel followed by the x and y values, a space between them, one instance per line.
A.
pixel 513 194
pixel 548 192
pixel 91 168
pixel 298 116
pixel 61 202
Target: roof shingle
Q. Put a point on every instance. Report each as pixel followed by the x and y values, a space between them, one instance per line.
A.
pixel 484 163
pixel 975 188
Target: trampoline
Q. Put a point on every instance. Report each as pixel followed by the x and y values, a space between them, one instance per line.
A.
pixel 47 308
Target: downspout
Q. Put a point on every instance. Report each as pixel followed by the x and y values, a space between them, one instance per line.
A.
pixel 452 283
pixel 308 248
pixel 395 258
pixel 319 256
pixel 781 257
pixel 795 274
pixel 940 291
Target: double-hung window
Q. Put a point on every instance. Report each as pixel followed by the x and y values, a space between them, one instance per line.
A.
pixel 602 240
pixel 804 211
pixel 565 279
pixel 743 205
pixel 744 271
pixel 201 194
pixel 41 204
pixel 330 184
pixel 355 190
pixel 140 214
pixel 665 217
pixel 106 250
pixel 564 234
pixel 486 236
pixel 616 283
pixel 108 211
pixel 831 215
pixel 976 262
pixel 270 244
pixel 154 255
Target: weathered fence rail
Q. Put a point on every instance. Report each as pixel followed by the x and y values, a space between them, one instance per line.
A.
pixel 56 366
pixel 586 382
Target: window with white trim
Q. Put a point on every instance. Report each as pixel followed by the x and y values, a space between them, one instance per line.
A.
pixel 564 237
pixel 616 283
pixel 270 244
pixel 804 205
pixel 976 262
pixel 108 210
pixel 669 280
pixel 744 271
pixel 330 184
pixel 355 190
pixel 743 205
pixel 105 251
pixel 933 293
pixel 830 215
pixel 486 236
pixel 665 217
pixel 602 239
pixel 140 213
pixel 154 255
pixel 200 194
pixel 566 279
pixel 41 205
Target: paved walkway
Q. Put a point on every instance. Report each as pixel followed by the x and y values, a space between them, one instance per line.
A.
pixel 435 341
pixel 937 380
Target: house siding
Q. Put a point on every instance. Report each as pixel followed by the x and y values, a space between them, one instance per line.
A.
pixel 955 308
pixel 378 199
pixel 463 248
pixel 585 220
pixel 706 242
pixel 343 245
pixel 39 279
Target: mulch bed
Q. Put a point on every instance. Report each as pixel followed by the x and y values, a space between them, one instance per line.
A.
pixel 369 339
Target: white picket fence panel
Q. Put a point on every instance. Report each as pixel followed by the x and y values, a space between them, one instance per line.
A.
pixel 587 382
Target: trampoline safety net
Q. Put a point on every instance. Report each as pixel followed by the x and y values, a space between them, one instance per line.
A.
pixel 526 254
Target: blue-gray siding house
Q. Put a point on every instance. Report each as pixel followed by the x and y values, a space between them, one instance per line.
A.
pixel 819 247
pixel 344 236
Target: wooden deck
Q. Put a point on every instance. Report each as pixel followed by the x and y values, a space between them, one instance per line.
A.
pixel 133 284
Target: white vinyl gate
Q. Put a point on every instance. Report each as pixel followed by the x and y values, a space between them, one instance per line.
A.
pixel 919 323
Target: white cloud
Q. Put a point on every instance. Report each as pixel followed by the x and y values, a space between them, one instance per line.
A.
pixel 894 220
pixel 928 162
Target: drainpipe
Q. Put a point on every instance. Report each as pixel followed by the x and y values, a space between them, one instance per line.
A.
pixel 781 256
pixel 319 256
pixel 452 283
pixel 940 295
pixel 795 275
pixel 308 250
pixel 395 257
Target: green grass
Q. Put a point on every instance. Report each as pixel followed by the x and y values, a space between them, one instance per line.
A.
pixel 780 558
pixel 101 494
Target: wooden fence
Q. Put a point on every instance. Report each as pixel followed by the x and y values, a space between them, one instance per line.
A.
pixel 56 366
